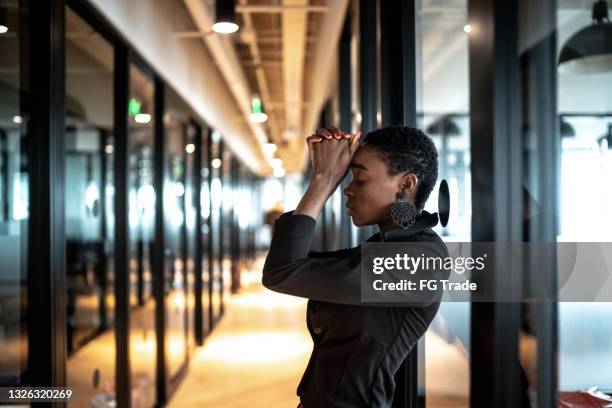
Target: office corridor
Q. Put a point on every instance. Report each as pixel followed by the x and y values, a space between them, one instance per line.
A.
pixel 257 353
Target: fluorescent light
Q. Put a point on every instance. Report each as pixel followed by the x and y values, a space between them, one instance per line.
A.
pixel 190 148
pixel 467 28
pixel 276 162
pixel 17 119
pixel 142 118
pixel 279 172
pixel 216 163
pixel 258 117
pixel 269 148
pixel 225 27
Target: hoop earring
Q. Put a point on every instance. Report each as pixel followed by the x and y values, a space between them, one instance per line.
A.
pixel 403 213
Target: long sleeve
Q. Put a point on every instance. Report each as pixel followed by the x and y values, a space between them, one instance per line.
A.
pixel 330 276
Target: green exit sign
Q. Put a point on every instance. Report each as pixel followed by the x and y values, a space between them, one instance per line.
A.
pixel 134 107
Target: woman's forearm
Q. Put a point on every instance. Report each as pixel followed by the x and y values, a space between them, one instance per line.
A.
pixel 319 190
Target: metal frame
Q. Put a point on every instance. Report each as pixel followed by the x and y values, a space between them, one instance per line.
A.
pixel 159 255
pixel 46 278
pixel 122 271
pixel 199 241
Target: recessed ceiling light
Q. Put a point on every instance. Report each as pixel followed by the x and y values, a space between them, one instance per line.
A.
pixel 142 118
pixel 17 119
pixel 258 117
pixel 269 148
pixel 279 172
pixel 190 148
pixel 225 27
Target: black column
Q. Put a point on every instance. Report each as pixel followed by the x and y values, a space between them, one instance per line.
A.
pixel 199 242
pixel 46 244
pixel 495 373
pixel 368 76
pixel 398 105
pixel 159 257
pixel 398 62
pixel 122 239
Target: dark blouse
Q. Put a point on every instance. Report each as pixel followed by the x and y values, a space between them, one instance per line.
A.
pixel 357 347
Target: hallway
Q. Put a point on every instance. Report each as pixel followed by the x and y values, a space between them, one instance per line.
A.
pixel 257 353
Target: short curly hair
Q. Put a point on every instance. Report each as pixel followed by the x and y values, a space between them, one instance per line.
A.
pixel 407 150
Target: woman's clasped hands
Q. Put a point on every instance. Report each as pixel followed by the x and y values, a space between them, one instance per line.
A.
pixel 331 151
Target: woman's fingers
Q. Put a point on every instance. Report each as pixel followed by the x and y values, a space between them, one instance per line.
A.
pixel 325 133
pixel 313 139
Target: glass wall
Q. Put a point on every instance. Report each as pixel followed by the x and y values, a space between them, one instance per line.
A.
pixel 14 201
pixel 585 114
pixel 142 198
pixel 216 194
pixel 443 113
pixel 176 122
pixel 206 222
pixel 89 213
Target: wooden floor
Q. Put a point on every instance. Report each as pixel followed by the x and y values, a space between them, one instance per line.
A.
pixel 255 357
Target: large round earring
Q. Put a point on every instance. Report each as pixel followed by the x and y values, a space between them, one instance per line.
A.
pixel 403 213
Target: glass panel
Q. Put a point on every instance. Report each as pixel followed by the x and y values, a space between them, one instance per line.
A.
pixel 13 202
pixel 205 214
pixel 89 213
pixel 142 231
pixel 227 224
pixel 216 194
pixel 585 110
pixel 176 122
pixel 443 112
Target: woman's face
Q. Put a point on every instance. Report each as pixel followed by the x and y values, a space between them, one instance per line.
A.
pixel 372 189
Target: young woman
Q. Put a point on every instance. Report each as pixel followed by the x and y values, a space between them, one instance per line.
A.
pixel 357 347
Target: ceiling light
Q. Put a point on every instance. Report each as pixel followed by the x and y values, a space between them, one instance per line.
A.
pixel 279 172
pixel 142 118
pixel 190 148
pixel 269 148
pixel 108 149
pixel 225 17
pixel 216 163
pixel 17 119
pixel 590 49
pixel 257 113
pixel 276 162
pixel 467 28
pixel 3 21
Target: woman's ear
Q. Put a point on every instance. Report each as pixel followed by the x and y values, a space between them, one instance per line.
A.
pixel 409 183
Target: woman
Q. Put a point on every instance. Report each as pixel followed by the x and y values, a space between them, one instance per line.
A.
pixel 357 347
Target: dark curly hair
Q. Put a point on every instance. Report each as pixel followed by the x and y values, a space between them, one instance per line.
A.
pixel 407 150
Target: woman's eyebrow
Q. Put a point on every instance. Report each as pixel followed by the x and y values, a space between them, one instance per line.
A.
pixel 358 166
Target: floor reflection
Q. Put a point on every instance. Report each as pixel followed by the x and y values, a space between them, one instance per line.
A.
pixel 255 357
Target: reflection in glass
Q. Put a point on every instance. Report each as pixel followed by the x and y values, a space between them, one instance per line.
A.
pixel 585 106
pixel 89 214
pixel 141 198
pixel 443 105
pixel 14 201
